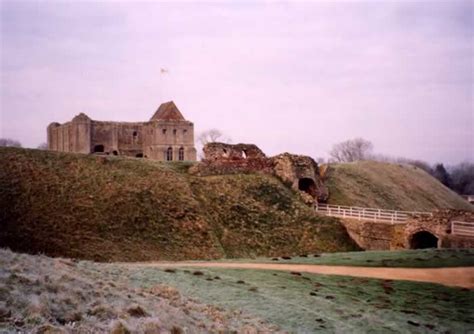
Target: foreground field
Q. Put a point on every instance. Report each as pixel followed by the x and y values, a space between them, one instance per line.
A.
pixel 39 291
pixel 43 295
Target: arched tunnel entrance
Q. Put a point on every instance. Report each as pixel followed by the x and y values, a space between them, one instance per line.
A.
pixel 308 186
pixel 423 239
pixel 98 148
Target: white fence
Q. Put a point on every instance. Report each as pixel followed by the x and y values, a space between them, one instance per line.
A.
pixel 462 228
pixel 372 214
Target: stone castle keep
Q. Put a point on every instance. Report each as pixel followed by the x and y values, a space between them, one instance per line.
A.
pixel 166 136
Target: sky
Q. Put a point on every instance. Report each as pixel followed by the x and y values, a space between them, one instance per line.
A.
pixel 293 77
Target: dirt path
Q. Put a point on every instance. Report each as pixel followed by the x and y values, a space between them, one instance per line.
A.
pixel 460 277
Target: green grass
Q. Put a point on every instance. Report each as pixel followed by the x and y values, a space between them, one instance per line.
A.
pixel 124 209
pixel 389 186
pixel 310 303
pixel 420 258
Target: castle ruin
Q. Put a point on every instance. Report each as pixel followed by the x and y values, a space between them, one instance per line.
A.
pixel 167 136
pixel 297 171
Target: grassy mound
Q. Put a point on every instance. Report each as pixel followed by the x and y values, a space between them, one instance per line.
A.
pixel 112 208
pixel 389 186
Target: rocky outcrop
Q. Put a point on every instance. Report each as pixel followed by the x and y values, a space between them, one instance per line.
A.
pixel 302 172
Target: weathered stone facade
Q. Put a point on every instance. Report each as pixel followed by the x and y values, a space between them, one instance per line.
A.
pixel 302 172
pixel 299 172
pixel 166 136
pixel 437 226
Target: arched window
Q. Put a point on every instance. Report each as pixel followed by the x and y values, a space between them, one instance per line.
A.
pixel 169 154
pixel 181 154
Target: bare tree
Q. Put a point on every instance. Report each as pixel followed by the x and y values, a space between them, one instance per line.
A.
pixel 351 150
pixel 8 142
pixel 43 146
pixel 212 135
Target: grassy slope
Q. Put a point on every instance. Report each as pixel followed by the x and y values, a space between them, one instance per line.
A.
pixel 417 258
pixel 110 208
pixel 389 186
pixel 39 294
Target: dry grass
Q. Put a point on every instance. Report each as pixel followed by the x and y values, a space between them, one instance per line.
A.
pixel 44 295
pixel 119 209
pixel 389 186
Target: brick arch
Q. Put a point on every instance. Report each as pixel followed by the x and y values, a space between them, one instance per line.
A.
pixel 421 238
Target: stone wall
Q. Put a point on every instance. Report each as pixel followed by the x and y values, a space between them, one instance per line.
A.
pixel 221 158
pixel 164 134
pixel 383 236
pixel 439 225
pixel 117 138
pixel 72 136
pixel 221 152
pixel 374 236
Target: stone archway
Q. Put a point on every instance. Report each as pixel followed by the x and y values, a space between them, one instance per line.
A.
pixel 423 239
pixel 98 148
pixel 308 186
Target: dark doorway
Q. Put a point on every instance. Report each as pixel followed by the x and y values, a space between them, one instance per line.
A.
pixel 423 239
pixel 308 186
pixel 98 148
pixel 139 155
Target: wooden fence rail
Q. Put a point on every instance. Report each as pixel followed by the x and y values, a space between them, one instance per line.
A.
pixel 372 214
pixel 462 228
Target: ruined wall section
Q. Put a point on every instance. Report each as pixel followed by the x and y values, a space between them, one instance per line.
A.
pixel 74 136
pixel 221 152
pixel 297 171
pixel 302 172
pixel 221 158
pixel 117 138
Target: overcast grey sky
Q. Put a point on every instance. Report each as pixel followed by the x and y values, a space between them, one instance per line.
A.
pixel 287 76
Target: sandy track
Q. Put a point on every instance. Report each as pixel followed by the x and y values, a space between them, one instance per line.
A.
pixel 459 277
